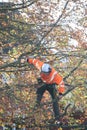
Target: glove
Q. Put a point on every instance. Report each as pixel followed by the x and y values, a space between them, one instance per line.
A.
pixel 60 94
pixel 39 80
pixel 27 59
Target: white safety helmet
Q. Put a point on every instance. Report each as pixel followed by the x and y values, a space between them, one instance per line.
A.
pixel 46 68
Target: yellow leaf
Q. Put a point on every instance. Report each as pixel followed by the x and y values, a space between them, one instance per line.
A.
pixel 60 128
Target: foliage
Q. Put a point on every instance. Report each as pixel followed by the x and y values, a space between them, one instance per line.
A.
pixel 29 29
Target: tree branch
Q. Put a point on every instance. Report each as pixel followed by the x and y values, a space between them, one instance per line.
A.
pixel 72 71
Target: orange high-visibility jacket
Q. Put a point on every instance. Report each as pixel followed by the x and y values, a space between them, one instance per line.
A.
pixel 52 78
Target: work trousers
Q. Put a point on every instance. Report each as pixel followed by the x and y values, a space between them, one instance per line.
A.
pixel 53 92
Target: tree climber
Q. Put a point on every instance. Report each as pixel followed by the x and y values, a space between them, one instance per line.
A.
pixel 50 78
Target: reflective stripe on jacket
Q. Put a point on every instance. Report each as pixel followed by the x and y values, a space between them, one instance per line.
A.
pixel 37 63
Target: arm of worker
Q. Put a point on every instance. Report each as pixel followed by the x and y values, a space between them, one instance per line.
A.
pixel 61 88
pixel 37 63
pixel 58 79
